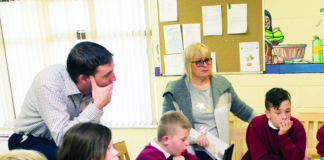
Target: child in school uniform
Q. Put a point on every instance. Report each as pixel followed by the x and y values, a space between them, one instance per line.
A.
pixel 276 135
pixel 172 139
pixel 320 145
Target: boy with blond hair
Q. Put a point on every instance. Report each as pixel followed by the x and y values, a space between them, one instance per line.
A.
pixel 276 135
pixel 172 139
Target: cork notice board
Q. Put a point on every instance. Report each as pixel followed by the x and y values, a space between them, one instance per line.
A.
pixel 226 45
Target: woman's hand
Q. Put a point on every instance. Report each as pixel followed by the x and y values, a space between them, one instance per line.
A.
pixel 202 141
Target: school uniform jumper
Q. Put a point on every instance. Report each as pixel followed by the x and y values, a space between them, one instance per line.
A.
pixel 264 143
pixel 152 153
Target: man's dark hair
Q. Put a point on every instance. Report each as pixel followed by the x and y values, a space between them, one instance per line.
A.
pixel 85 141
pixel 85 57
pixel 275 96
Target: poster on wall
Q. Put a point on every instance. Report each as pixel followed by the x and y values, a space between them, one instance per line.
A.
pixel 172 38
pixel 191 34
pixel 168 10
pixel 173 64
pixel 249 56
pixel 236 18
pixel 212 20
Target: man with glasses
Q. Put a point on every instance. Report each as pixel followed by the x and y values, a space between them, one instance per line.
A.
pixel 205 99
pixel 61 96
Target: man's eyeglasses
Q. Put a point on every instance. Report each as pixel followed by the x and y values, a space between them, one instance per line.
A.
pixel 200 63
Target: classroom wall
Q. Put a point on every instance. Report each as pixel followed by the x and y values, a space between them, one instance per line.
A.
pixel 3 147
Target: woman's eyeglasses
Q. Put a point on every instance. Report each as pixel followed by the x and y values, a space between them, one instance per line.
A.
pixel 200 63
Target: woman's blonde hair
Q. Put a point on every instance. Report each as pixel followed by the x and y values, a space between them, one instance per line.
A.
pixel 22 154
pixel 189 52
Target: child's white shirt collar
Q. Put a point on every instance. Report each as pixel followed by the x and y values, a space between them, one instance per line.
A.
pixel 154 144
pixel 272 126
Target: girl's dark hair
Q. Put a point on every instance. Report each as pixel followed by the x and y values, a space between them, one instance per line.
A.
pixel 85 141
pixel 275 96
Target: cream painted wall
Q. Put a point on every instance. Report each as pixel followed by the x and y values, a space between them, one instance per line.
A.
pixel 3 147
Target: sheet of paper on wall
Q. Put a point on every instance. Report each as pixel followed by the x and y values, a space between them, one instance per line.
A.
pixel 213 56
pixel 216 147
pixel 236 18
pixel 172 39
pixel 249 56
pixel 173 64
pixel 191 34
pixel 212 20
pixel 168 10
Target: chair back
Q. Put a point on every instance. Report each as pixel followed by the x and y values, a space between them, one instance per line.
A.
pixel 232 120
pixel 311 122
pixel 237 136
pixel 122 149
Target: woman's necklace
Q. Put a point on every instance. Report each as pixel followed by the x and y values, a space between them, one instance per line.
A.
pixel 203 100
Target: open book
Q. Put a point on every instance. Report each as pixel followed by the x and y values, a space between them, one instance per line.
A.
pixel 218 149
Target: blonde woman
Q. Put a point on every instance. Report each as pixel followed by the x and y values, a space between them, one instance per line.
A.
pixel 205 99
pixel 22 154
